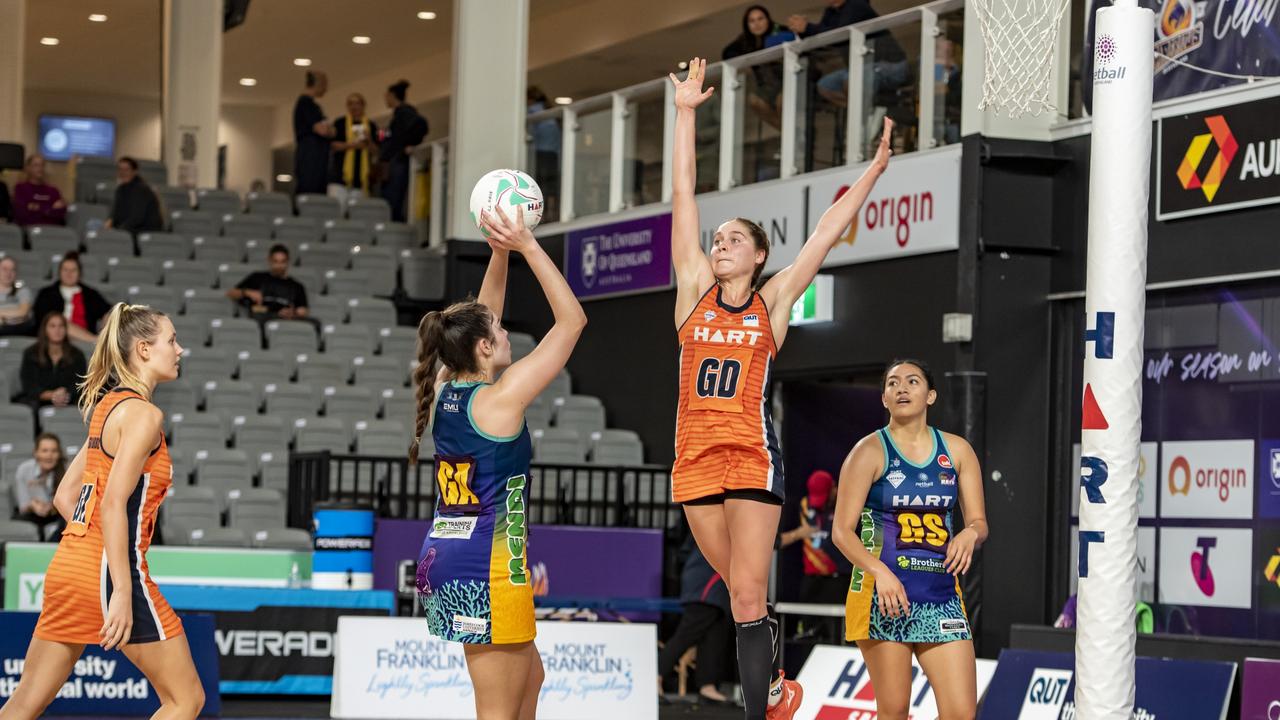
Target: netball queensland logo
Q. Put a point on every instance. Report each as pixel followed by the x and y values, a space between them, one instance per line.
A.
pixel 1105 56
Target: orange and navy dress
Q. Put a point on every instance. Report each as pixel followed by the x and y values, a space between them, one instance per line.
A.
pixel 725 440
pixel 77 584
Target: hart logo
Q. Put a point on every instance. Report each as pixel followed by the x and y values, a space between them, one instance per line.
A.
pixel 1208 479
pixel 1200 565
pixel 1219 134
pixel 838 685
pixel 1046 693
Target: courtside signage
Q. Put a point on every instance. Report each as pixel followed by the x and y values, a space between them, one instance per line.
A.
pixel 1221 159
pixel 1031 685
pixel 1211 567
pixel 837 685
pixel 392 668
pixel 1207 479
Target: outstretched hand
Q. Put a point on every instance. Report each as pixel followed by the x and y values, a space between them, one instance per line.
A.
pixel 507 233
pixel 883 152
pixel 689 93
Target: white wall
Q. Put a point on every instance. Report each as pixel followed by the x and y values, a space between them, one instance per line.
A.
pixel 246 131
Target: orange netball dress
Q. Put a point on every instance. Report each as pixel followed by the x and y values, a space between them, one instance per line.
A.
pixel 77 584
pixel 725 441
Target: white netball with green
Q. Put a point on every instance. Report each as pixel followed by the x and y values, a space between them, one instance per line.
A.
pixel 509 190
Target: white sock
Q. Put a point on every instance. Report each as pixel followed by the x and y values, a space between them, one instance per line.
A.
pixel 775 690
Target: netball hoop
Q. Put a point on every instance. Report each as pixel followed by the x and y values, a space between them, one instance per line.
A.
pixel 1019 39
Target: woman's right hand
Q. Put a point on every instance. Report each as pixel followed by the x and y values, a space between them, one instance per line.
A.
pixel 117 627
pixel 891 595
pixel 689 93
pixel 508 233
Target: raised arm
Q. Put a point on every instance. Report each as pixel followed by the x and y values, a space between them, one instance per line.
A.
pixel 693 270
pixel 526 379
pixel 493 291
pixel 784 288
pixel 145 423
pixel 859 471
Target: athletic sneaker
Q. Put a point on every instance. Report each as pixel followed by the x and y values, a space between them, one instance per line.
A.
pixel 792 695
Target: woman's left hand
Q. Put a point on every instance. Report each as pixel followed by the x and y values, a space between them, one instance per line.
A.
pixel 960 552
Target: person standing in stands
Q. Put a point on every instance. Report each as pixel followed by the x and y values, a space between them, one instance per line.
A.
pixel 136 207
pixel 312 133
pixel 353 135
pixel 36 202
pixel 408 129
pixel 97 589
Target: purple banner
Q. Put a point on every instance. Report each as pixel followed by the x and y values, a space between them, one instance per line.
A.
pixel 1269 479
pixel 1260 692
pixel 624 257
pixel 564 561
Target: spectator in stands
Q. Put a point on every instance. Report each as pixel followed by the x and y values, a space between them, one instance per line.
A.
pixel 15 301
pixel 353 148
pixel 81 305
pixel 36 480
pixel 705 622
pixel 36 202
pixel 52 367
pixel 273 294
pixel 312 133
pixel 136 207
pixel 408 129
pixel 759 31
pixel 547 137
pixel 827 572
pixel 257 186
pixel 889 70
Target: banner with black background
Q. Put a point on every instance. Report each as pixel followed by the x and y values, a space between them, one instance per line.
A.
pixel 1217 160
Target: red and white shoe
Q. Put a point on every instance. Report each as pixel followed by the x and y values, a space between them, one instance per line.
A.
pixel 792 695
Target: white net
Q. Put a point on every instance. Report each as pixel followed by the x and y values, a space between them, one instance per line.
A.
pixel 1020 37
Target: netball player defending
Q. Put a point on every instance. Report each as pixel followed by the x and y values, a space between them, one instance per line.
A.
pixel 902 483
pixel 728 468
pixel 473 577
pixel 97 589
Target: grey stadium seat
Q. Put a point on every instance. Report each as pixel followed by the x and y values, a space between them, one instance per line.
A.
pixel 219 537
pixel 352 340
pixel 125 271
pixel 256 434
pixel 229 398
pixel 11 239
pixel 381 437
pixel 193 330
pixel 246 226
pixel 290 400
pixel 327 309
pixel 166 246
pixel 311 278
pixel 372 210
pixel 235 333
pixel 195 222
pixel 397 236
pixel 583 413
pixel 560 387
pixel 198 431
pixel 65 422
pixel 270 204
pixel 350 404
pixel 348 233
pixel 521 345
pixel 347 283
pixel 380 372
pixel 322 371
pixel 217 249
pixel 173 198
pixel 292 337
pixel 312 434
pixel 371 312
pixel 86 217
pixel 200 365
pixel 322 257
pixel 18 531
pixel 318 206
pixel 17 423
pixel 616 447
pixel 399 404
pixel 187 274
pixel 108 242
pixel 256 249
pixel 218 202
pixel 380 265
pixel 422 274
pixel 52 239
pixel 261 367
pixel 398 342
pixel 538 413
pixel 164 299
pixel 175 397
pixel 298 229
pixel 283 538
pixel 556 445
pixel 273 469
pixel 222 470
pixel 207 303
pixel 230 274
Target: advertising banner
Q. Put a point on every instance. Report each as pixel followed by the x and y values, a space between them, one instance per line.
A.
pixel 391 668
pixel 1032 685
pixel 838 686
pixel 1207 479
pixel 277 641
pixel 1269 479
pixel 619 258
pixel 106 683
pixel 1260 690
pixel 1220 159
pixel 1207 567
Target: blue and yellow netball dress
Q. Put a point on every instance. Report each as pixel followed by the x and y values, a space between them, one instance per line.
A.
pixel 906 523
pixel 473 577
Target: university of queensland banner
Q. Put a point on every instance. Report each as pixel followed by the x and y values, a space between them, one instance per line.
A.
pixel 1235 37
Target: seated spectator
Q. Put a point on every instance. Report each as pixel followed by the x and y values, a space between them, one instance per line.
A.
pixel 136 207
pixel 52 368
pixel 81 305
pixel 759 31
pixel 36 202
pixel 706 622
pixel 36 480
pixel 889 69
pixel 273 294
pixel 350 173
pixel 15 301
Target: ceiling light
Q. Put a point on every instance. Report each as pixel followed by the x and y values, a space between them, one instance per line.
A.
pixel 302 62
pixel 248 82
pixel 284 178
pixel 361 40
pixel 48 41
pixel 683 65
pixel 426 15
pixel 562 100
pixel 97 17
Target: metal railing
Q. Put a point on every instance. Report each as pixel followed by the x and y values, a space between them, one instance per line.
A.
pixel 802 106
pixel 558 494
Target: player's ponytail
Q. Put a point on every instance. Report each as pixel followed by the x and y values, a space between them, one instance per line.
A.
pixel 446 336
pixel 109 366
